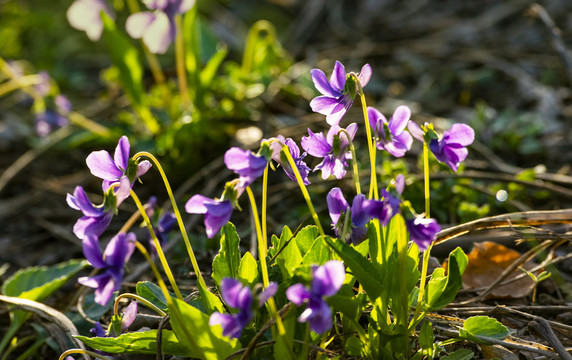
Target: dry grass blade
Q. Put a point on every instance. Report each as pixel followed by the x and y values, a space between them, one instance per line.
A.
pixel 49 314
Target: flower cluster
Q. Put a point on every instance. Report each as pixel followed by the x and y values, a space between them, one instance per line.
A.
pixel 118 175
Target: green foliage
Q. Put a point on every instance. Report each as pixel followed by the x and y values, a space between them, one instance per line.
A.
pixel 193 331
pixel 441 289
pixel 141 342
pixel 36 283
pixel 478 328
pixel 461 354
pixel 227 261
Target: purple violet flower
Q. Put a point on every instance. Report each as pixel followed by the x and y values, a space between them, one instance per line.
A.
pixel 422 231
pixel 248 165
pixel 327 280
pixel 86 15
pixel 111 170
pixel 334 148
pixel 390 134
pixel 361 212
pixel 157 28
pixel 217 212
pixel 336 98
pixel 117 252
pixel 96 217
pixel 277 156
pixel 238 296
pixel 450 148
pixel 128 317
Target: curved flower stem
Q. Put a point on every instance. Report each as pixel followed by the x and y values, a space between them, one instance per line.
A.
pixel 158 247
pixel 262 252
pixel 354 161
pixel 85 352
pixel 286 152
pixel 427 252
pixel 137 298
pixel 373 193
pixel 190 251
pixel 264 209
pixel 180 60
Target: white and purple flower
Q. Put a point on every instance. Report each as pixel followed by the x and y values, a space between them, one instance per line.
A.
pixel 327 281
pixel 85 15
pixel 334 148
pixel 157 28
pixel 336 97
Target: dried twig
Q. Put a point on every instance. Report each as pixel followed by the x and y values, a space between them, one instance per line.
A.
pixel 517 219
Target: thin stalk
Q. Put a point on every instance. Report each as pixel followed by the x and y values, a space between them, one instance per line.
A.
pixel 190 251
pixel 85 352
pixel 427 252
pixel 180 60
pixel 18 83
pixel 262 251
pixel 136 297
pixel 157 243
pixel 264 209
pixel 373 192
pixel 88 124
pixel 286 152
pixel 354 161
pixel 154 269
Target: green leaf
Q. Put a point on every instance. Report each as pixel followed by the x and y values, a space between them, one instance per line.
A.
pixel 289 257
pixel 426 338
pixel 37 283
pixel 227 261
pixel 125 57
pixel 318 254
pixel 153 293
pixel 461 354
pixel 354 347
pixel 306 237
pixel 454 281
pixel 248 270
pixel 141 342
pixel 477 326
pixel 193 331
pixel 360 267
pixel 212 66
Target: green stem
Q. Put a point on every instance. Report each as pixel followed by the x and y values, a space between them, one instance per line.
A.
pixel 158 247
pixel 154 269
pixel 262 252
pixel 427 252
pixel 180 60
pixel 190 251
pixel 82 351
pixel 373 192
pixel 136 297
pixel 354 161
pixel 286 152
